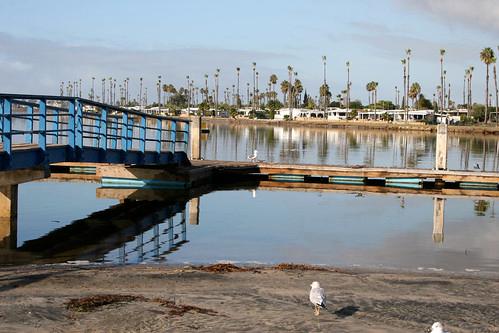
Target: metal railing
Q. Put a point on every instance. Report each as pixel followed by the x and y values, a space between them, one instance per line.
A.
pixel 83 130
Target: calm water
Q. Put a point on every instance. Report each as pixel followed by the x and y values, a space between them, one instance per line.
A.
pixel 347 147
pixel 59 222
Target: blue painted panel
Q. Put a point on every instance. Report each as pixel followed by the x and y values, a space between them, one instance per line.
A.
pixel 79 125
pixel 124 131
pixel 7 126
pixel 159 133
pixel 173 135
pixel 142 134
pixel 42 125
pixel 103 129
pixel 71 124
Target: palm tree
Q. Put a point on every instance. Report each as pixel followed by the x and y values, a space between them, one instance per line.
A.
pixel 285 89
pixel 495 85
pixel 238 70
pixel 487 57
pixel 414 93
pixel 298 89
pixel 348 85
pixel 254 86
pixel 404 100
pixel 140 93
pixel 442 53
pixel 324 93
pixel 470 96
pixel 408 54
pixel 324 63
pixel 273 80
pixel 217 79
pixel 290 94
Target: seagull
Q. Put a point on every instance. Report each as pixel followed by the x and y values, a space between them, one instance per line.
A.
pixel 253 157
pixel 317 297
pixel 476 166
pixel 437 327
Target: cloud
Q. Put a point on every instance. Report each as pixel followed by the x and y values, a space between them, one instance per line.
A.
pixel 29 65
pixel 481 14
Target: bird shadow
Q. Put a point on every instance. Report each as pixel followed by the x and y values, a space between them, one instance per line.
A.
pixel 346 311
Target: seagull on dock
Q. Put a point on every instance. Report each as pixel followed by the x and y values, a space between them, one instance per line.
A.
pixel 253 157
pixel 476 166
pixel 317 297
pixel 437 327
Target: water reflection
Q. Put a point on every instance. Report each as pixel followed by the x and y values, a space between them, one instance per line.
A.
pixel 348 147
pixel 269 225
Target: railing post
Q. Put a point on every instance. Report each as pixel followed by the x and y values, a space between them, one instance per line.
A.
pixel 7 128
pixel 173 134
pixel 79 125
pixel 71 125
pixel 28 137
pixel 42 125
pixel 159 130
pixel 103 129
pixel 124 131
pixel 142 134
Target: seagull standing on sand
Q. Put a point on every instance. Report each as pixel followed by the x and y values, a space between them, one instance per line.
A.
pixel 317 297
pixel 253 157
pixel 437 328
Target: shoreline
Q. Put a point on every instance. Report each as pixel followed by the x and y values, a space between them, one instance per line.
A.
pixel 158 298
pixel 347 124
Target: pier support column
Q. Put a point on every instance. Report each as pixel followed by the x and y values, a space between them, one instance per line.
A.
pixel 195 137
pixel 8 216
pixel 441 151
pixel 438 220
pixel 194 211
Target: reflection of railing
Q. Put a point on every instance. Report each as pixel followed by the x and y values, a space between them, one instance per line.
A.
pixel 156 247
pixel 84 130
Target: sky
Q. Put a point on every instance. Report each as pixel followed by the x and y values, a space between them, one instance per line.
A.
pixel 45 42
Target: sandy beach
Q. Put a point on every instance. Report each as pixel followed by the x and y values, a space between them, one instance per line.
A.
pixel 153 298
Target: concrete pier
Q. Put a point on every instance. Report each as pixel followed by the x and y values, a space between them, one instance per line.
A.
pixel 195 137
pixel 8 216
pixel 8 201
pixel 194 211
pixel 441 148
pixel 438 220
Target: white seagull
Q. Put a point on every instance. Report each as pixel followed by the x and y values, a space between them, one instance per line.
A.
pixel 253 157
pixel 437 328
pixel 317 297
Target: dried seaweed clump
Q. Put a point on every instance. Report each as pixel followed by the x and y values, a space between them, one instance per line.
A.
pixel 298 267
pixel 223 268
pixel 90 303
pixel 181 309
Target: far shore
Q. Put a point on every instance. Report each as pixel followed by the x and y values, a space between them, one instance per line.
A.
pixel 359 124
pixel 228 298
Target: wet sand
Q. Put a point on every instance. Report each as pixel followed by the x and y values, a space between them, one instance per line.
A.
pixel 35 298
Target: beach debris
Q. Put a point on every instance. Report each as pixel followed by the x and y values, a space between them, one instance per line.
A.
pixel 437 327
pixel 90 303
pixel 224 268
pixel 317 297
pixel 298 267
pixel 180 309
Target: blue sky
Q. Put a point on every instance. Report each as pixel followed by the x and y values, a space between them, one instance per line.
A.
pixel 45 42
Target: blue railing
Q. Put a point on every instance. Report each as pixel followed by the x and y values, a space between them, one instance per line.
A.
pixel 38 130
